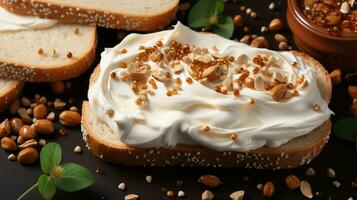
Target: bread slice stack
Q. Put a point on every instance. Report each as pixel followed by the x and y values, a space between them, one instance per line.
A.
pixel 136 15
pixel 67 49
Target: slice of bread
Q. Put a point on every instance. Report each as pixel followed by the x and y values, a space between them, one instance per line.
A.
pixel 103 143
pixel 42 55
pixel 9 91
pixel 138 15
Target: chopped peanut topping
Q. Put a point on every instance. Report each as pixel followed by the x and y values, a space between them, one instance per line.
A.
pixel 205 128
pixel 234 137
pixel 189 80
pixel 316 107
pixel 40 51
pixel 123 65
pixel 153 84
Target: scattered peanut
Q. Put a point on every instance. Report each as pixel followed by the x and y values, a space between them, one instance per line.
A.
pixel 8 144
pixel 28 155
pixel 268 189
pixel 70 118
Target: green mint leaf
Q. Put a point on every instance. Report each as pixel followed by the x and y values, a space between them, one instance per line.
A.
pixel 225 27
pixel 46 186
pixel 219 7
pixel 50 156
pixel 346 129
pixel 75 178
pixel 201 12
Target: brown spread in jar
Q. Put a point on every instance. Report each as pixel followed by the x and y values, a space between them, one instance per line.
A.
pixel 339 17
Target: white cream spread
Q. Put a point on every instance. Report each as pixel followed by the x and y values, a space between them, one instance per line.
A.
pixel 12 22
pixel 181 119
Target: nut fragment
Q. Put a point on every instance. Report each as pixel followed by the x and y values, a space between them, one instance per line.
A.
pixel 210 181
pixel 40 111
pixel 170 194
pixel 260 42
pixel 77 149
pixel 181 193
pixel 42 142
pixel 330 173
pixel 292 182
pixel 249 82
pixel 121 186
pixel 310 172
pixel 8 144
pixel 212 73
pixel 12 157
pixel 305 189
pixel 245 39
pixel 337 184
pixel 336 76
pixel 28 156
pixel 59 105
pixel 278 92
pixel 207 195
pixel 276 24
pixel 131 197
pixel 268 189
pixel 28 143
pixel 148 179
pixel 70 118
pixel 51 116
pixel 237 195
pixel 5 128
pixel 345 8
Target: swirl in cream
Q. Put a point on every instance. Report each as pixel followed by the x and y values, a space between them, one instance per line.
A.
pixel 181 119
pixel 12 22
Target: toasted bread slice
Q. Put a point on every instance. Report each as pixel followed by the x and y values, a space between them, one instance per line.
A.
pixel 42 55
pixel 103 143
pixel 138 15
pixel 9 91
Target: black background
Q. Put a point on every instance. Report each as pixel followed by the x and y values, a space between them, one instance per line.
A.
pixel 338 154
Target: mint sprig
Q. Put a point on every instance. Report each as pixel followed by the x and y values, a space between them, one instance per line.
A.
pixel 68 177
pixel 346 129
pixel 207 14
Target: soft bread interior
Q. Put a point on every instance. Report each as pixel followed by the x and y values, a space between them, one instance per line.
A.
pixel 135 7
pixel 22 47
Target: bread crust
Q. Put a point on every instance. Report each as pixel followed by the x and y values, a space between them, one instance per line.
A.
pixel 22 71
pixel 289 155
pixel 10 93
pixel 67 13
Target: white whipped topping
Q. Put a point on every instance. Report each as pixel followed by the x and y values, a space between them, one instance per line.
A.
pixel 171 120
pixel 12 22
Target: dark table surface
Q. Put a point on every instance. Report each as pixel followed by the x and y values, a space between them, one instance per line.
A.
pixel 338 154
